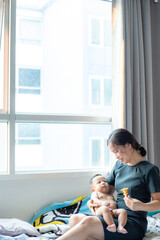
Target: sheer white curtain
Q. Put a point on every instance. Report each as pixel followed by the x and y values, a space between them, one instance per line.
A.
pixel 1 18
pixel 133 57
pixel 117 64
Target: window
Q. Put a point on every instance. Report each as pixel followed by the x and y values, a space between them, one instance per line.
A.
pixel 100 30
pixel 100 155
pixel 29 30
pixel 29 81
pixel 95 32
pixel 28 134
pixel 101 91
pixel 59 111
pixel 96 152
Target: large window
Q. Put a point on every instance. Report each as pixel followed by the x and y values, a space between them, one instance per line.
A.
pixel 59 111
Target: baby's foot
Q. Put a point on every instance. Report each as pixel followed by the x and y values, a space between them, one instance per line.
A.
pixel 111 228
pixel 122 230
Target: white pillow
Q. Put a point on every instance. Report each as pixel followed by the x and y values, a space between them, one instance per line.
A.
pixel 14 227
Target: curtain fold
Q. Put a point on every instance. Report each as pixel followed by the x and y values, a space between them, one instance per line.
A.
pixel 137 88
pixel 1 18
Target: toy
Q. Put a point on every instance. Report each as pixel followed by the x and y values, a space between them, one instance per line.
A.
pixel 124 190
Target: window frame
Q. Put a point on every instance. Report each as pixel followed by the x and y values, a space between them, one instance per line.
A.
pixel 11 117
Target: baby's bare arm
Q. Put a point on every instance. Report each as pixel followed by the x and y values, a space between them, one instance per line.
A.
pixel 94 198
pixel 113 204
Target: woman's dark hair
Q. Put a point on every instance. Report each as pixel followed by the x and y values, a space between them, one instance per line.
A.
pixel 121 136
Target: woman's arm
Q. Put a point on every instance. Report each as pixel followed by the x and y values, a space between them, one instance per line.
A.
pixel 91 205
pixel 136 205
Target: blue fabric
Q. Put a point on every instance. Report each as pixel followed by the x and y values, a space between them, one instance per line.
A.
pixel 152 213
pixel 61 212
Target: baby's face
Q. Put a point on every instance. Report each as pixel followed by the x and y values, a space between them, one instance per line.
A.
pixel 100 184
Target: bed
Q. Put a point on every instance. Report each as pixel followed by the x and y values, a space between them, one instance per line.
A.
pixel 52 221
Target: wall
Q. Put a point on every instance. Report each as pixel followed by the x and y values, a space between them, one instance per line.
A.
pixel 22 196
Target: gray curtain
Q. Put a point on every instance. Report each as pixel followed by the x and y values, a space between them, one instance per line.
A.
pixel 136 65
pixel 1 18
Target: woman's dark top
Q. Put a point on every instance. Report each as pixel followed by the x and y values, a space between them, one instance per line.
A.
pixel 141 180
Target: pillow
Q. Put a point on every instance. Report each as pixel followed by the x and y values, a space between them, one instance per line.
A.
pixel 14 227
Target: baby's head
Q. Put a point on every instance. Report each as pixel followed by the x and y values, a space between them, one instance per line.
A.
pixel 99 184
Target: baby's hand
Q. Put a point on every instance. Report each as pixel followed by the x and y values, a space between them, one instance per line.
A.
pixel 107 204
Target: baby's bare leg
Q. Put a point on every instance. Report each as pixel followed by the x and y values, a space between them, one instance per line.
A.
pixel 108 218
pixel 121 214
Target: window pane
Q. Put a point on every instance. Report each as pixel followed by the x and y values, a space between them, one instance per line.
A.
pixel 29 81
pixel 107 92
pixel 3 148
pixel 29 77
pixel 95 91
pixel 62 56
pixel 60 146
pixel 96 152
pixel 106 154
pixel 28 134
pixel 29 30
pixel 95 31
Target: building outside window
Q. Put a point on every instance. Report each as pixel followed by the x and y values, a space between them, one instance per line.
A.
pixel 28 134
pixel 60 91
pixel 100 155
pixel 99 31
pixel 101 91
pixel 29 81
pixel 29 29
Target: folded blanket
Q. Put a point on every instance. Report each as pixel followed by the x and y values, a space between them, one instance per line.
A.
pixel 53 220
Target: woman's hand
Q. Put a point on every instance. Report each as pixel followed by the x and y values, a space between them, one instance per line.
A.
pixel 91 206
pixel 134 204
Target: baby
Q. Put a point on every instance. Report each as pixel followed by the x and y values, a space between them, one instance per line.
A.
pixel 106 205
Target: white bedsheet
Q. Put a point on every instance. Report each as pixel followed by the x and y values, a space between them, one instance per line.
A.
pixel 153 229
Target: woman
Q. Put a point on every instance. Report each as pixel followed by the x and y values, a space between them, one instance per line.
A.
pixel 143 182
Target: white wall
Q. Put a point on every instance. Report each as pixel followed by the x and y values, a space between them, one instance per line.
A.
pixel 23 195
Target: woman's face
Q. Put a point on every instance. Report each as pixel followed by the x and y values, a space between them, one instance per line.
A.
pixel 122 153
